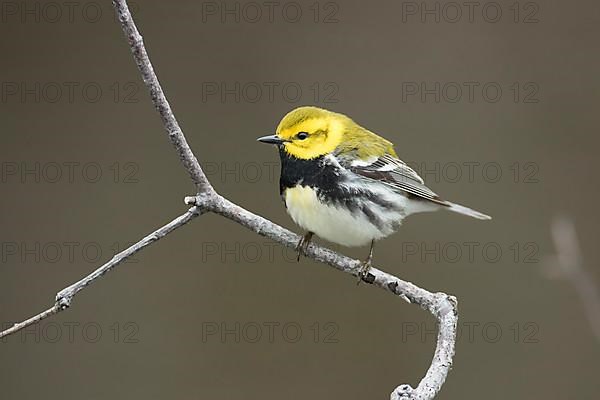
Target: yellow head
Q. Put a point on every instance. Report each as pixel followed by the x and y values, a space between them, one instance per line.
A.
pixel 309 132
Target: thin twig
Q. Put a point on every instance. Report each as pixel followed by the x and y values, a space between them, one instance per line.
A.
pixel 441 305
pixel 65 297
pixel 568 264
pixel 55 309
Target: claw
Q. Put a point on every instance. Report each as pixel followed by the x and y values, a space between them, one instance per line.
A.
pixel 363 272
pixel 303 244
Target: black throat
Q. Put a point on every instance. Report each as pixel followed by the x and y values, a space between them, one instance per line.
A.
pixel 317 172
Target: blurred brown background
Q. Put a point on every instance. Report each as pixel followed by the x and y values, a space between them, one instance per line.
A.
pixel 213 311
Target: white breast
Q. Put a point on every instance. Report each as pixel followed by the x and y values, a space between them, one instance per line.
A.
pixel 335 223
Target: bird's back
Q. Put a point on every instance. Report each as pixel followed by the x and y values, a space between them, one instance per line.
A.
pixel 362 144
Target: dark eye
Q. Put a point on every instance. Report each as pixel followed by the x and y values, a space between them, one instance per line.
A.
pixel 302 135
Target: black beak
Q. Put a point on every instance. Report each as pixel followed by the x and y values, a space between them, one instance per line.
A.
pixel 271 139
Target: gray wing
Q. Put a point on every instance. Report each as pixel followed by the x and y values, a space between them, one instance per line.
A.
pixel 395 173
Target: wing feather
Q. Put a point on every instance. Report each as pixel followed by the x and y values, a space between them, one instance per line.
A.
pixel 396 173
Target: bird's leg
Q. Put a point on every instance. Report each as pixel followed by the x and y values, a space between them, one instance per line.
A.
pixel 303 244
pixel 366 265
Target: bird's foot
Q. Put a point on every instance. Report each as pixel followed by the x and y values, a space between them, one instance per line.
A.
pixel 303 244
pixel 363 272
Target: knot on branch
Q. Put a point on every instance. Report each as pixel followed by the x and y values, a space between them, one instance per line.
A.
pixel 403 392
pixel 203 201
pixel 444 304
pixel 64 299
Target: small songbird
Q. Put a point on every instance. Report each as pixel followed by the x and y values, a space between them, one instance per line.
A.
pixel 346 184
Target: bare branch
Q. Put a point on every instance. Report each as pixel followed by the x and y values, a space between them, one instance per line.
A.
pixel 441 305
pixel 159 99
pixel 65 296
pixel 31 321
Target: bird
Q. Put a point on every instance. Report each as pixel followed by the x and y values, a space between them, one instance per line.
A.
pixel 346 184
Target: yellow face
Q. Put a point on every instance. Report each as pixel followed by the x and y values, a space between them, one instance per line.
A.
pixel 310 132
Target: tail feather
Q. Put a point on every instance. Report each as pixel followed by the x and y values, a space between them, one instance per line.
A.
pixel 457 208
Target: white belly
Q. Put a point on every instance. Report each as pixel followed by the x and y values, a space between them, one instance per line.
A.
pixel 334 223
